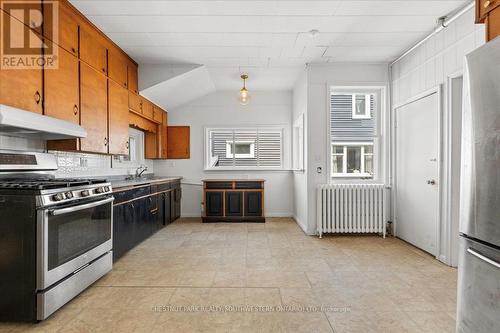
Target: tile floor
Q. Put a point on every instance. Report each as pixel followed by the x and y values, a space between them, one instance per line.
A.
pixel 263 277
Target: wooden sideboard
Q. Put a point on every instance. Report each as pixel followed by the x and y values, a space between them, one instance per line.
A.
pixel 231 200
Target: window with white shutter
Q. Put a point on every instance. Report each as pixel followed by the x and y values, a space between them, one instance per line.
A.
pixel 246 148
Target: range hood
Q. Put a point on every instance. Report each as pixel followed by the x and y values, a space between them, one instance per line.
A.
pixel 17 122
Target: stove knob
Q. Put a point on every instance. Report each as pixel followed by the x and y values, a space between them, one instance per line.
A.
pixel 69 195
pixel 107 189
pixel 85 193
pixel 99 190
pixel 58 197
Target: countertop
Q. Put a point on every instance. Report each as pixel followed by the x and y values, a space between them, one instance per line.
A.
pixel 123 184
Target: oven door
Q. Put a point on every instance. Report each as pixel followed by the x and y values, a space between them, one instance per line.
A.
pixel 70 237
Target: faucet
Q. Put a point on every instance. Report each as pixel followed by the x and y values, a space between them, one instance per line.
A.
pixel 139 172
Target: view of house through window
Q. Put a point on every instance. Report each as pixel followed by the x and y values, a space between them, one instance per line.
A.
pixel 244 148
pixel 353 134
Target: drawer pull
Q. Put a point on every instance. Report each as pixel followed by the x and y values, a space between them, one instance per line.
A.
pixel 75 110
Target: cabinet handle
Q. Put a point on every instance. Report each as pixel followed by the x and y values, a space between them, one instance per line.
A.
pixel 38 97
pixel 487 4
pixel 75 110
pixel 105 141
pixel 104 70
pixel 127 144
pixel 73 50
pixel 125 83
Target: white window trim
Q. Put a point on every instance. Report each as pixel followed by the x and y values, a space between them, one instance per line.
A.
pixel 344 160
pixel 207 166
pixel 367 114
pixel 230 155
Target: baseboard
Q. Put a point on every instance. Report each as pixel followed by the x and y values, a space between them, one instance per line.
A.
pixel 193 215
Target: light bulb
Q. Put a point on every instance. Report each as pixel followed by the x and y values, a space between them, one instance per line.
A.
pixel 244 97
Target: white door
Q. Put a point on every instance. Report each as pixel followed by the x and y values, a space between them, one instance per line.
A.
pixel 417 172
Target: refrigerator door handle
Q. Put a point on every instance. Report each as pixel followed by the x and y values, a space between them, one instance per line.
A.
pixel 483 257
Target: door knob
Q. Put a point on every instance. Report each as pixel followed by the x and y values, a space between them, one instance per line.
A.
pixel 431 182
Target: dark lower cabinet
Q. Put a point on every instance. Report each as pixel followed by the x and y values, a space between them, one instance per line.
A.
pixel 234 204
pixel 253 203
pixel 233 201
pixel 167 217
pixel 214 203
pixel 139 213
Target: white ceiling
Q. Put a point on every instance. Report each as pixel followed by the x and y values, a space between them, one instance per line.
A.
pixel 267 39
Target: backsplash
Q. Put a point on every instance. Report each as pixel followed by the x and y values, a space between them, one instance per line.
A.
pixel 75 164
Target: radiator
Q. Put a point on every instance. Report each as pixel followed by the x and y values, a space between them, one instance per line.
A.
pixel 351 208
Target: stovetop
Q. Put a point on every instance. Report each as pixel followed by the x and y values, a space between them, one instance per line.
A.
pixel 46 184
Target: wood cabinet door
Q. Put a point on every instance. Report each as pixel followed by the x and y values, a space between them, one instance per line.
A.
pixel 147 108
pixel 493 24
pixel 118 118
pixel 67 27
pixel 93 48
pixel 62 96
pixel 234 203
pixel 253 203
pixel 94 109
pixel 483 7
pixel 150 145
pixel 117 66
pixel 178 146
pixel 164 136
pixel 214 203
pixel 134 102
pixel 19 9
pixel 132 77
pixel 20 88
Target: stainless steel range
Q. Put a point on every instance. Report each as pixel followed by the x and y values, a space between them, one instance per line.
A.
pixel 55 235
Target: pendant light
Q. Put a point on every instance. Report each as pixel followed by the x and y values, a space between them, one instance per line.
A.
pixel 244 96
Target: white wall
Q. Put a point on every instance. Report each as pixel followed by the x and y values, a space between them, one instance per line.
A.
pixel 320 77
pixel 300 197
pixel 430 65
pixel 223 109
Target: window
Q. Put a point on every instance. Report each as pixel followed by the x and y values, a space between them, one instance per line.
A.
pixel 352 159
pixel 246 148
pixel 240 149
pixel 361 106
pixel 354 141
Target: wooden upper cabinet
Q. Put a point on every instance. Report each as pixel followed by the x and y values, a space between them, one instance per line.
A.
pixel 93 49
pixel 132 77
pixel 178 146
pixel 493 24
pixel 157 114
pixel 147 108
pixel 21 88
pixel 117 66
pixel 151 145
pixel 118 118
pixel 94 109
pixel 67 27
pixel 62 89
pixel 164 136
pixel 134 102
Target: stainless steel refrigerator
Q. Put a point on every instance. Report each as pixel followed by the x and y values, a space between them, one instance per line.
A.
pixel 479 259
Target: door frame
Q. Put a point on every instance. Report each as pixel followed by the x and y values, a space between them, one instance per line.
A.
pixel 450 255
pixel 438 91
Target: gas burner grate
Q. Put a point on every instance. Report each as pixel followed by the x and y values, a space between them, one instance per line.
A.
pixel 23 184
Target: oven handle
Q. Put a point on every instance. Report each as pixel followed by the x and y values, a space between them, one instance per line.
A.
pixel 80 207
